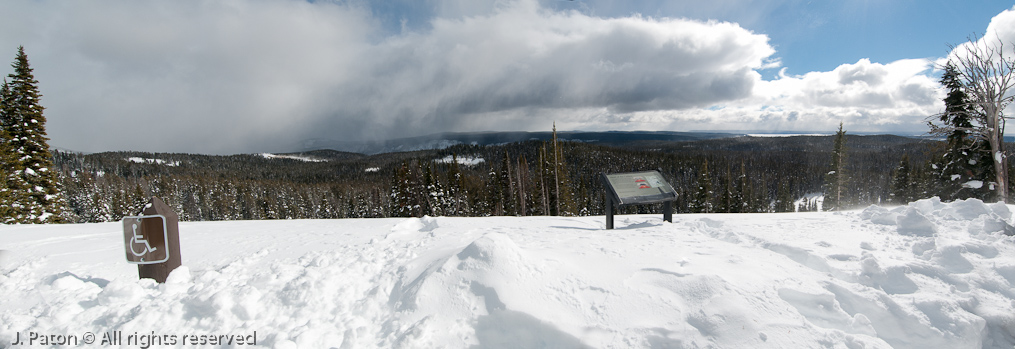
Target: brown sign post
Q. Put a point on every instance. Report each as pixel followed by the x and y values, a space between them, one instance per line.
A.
pixel 152 240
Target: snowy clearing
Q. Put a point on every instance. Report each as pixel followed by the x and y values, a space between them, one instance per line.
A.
pixel 918 276
pixel 464 160
pixel 153 161
pixel 291 157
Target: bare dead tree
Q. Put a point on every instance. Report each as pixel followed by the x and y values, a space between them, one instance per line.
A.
pixel 987 73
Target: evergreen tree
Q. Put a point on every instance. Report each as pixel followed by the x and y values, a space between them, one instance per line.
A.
pixel 903 186
pixel 726 199
pixel 784 199
pixel 401 193
pixel 436 195
pixel 987 72
pixel 494 194
pixel 523 187
pixel 836 180
pixel 925 184
pixel 544 176
pixel 703 202
pixel 22 119
pixel 457 195
pixel 507 187
pixel 563 196
pixel 743 197
pixel 965 158
pixel 13 189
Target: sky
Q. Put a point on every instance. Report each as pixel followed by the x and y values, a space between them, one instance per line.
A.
pixel 232 76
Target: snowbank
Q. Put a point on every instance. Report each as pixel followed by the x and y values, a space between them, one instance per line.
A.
pixel 928 274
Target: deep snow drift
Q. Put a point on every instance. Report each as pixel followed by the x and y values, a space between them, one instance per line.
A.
pixel 924 275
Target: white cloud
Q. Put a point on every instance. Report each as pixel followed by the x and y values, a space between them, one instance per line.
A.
pixel 1000 33
pixel 524 60
pixel 866 96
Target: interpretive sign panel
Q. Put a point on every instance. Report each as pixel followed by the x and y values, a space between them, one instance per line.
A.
pixel 145 239
pixel 637 188
pixel 646 187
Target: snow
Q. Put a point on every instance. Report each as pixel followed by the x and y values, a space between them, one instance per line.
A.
pixel 816 200
pixel 153 161
pixel 466 160
pixel 291 157
pixel 928 274
pixel 974 184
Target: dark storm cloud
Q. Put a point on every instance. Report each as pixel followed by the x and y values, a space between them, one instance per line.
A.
pixel 526 61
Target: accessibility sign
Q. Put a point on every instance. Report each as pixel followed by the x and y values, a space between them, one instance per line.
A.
pixel 145 239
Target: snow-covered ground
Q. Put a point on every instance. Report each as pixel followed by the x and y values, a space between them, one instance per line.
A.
pixel 153 161
pixel 291 157
pixel 464 160
pixel 926 275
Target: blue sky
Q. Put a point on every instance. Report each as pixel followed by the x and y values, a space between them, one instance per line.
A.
pixel 237 76
pixel 837 32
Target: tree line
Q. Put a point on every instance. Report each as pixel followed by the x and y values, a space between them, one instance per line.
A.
pixel 517 179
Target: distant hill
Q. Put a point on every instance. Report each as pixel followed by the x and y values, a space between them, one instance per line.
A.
pixel 445 140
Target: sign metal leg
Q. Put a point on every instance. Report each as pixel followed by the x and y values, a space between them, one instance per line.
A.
pixel 609 212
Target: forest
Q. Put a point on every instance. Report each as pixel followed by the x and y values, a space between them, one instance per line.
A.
pixel 536 177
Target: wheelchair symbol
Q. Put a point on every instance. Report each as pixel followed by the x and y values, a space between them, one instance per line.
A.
pixel 145 239
pixel 137 240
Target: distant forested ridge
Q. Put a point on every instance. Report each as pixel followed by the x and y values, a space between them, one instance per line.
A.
pixel 747 174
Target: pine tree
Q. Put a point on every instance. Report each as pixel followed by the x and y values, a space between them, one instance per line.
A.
pixel 401 193
pixel 13 189
pixel 563 196
pixel 902 184
pixel 836 180
pixel 456 197
pixel 543 175
pixel 507 187
pixel 965 158
pixel 743 198
pixel 24 123
pixel 726 199
pixel 784 199
pixel 703 202
pixel 494 193
pixel 436 195
pixel 522 182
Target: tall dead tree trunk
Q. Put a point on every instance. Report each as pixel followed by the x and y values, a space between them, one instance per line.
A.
pixel 988 76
